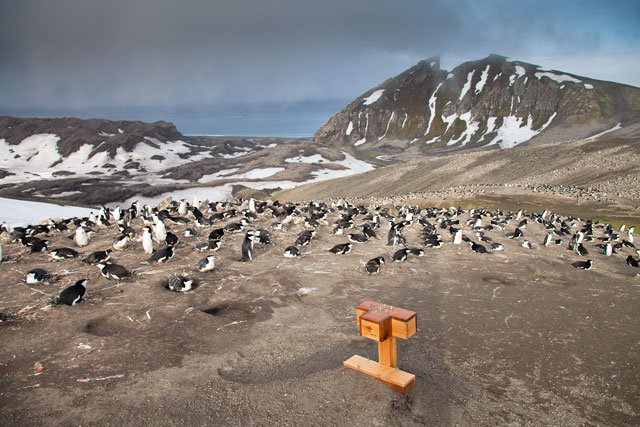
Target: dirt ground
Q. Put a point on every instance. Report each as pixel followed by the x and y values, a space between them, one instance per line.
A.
pixel 516 337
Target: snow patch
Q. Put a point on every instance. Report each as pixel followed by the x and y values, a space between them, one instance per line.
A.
pixel 450 76
pixel 388 123
pixel 483 80
pixel 515 130
pixel 598 135
pixel 364 138
pixel 520 71
pixel 257 173
pixel 559 78
pixel 218 175
pixel 472 128
pixel 432 108
pixel 349 128
pixel 467 85
pixel 588 86
pixel 19 213
pixel 373 97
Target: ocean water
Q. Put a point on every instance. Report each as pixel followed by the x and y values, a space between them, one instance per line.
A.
pixel 288 120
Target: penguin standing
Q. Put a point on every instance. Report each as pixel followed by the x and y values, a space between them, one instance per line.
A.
pixel 373 265
pixel 160 231
pixel 457 238
pixel 608 249
pixel 81 237
pixel 547 239
pixel 147 241
pixel 247 247
pixel 73 294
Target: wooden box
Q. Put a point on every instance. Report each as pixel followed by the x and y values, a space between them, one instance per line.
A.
pixel 375 325
pixel 403 322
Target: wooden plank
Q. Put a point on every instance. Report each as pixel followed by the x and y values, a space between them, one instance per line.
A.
pixel 387 355
pixel 397 380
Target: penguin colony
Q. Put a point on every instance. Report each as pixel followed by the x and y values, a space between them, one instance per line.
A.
pixel 206 227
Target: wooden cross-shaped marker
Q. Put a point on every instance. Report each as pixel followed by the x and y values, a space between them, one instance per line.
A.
pixel 384 323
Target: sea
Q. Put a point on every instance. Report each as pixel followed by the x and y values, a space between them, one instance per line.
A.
pixel 300 120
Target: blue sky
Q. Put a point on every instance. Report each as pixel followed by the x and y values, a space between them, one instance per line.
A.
pixel 164 54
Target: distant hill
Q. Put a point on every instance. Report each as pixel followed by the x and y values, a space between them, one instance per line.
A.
pixel 494 102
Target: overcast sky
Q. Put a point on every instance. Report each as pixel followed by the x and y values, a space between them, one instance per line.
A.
pixel 74 54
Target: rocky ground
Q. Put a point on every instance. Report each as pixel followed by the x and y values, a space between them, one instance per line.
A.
pixel 512 337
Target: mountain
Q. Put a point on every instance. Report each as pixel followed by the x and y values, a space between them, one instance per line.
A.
pixel 495 101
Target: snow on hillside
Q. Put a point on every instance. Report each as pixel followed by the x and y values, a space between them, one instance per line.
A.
pixel 20 213
pixel 37 156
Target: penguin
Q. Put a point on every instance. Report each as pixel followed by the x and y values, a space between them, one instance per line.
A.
pixel 39 246
pixel 581 250
pixel 357 238
pixel 216 234
pixel 497 247
pixel 262 237
pixel 400 255
pixel 368 231
pixel 121 242
pixel 416 251
pixel 160 231
pixel 190 232
pixel 558 242
pixel 341 249
pixel 179 283
pixel 392 237
pixel 527 244
pixel 171 239
pixel 147 241
pixel 247 247
pixel 63 253
pixel 476 247
pixel 161 255
pixel 457 238
pixel 608 249
pixel 98 256
pixel 113 271
pixel 583 265
pixel 206 264
pixel 80 238
pixel 73 294
pixel 182 208
pixel 632 262
pixel 517 233
pixel 291 252
pixel 373 265
pixel 209 245
pixel 547 239
pixel 234 227
pixel 305 237
pixel 37 275
pixel 3 316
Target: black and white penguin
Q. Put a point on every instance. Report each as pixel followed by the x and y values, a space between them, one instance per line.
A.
pixel 476 247
pixel 547 239
pixel 291 252
pixel 416 251
pixel 341 249
pixel 147 240
pixel 38 246
pixel 63 253
pixel 558 242
pixel 608 249
pixel 160 231
pixel 80 238
pixel 247 247
pixel 517 233
pixel 305 237
pixel 581 250
pixel 113 271
pixel 527 244
pixel 400 255
pixel 171 239
pixel 216 234
pixel 368 231
pixel 357 238
pixel 190 232
pixel 162 255
pixel 632 261
pixel 393 238
pixel 121 242
pixel 98 256
pixel 583 265
pixel 234 227
pixel 209 245
pixel 497 247
pixel 457 237
pixel 73 294
pixel 206 264
pixel 373 265
pixel 37 275
pixel 179 283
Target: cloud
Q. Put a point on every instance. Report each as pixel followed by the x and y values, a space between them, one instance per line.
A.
pixel 83 53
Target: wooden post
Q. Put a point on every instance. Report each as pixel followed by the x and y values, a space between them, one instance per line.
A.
pixel 383 324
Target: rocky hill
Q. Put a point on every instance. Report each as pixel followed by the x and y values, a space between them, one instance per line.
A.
pixel 495 102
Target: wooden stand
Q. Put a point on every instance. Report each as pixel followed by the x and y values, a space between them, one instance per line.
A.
pixel 384 323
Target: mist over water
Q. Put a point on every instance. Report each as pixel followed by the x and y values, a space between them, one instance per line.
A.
pixel 287 120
